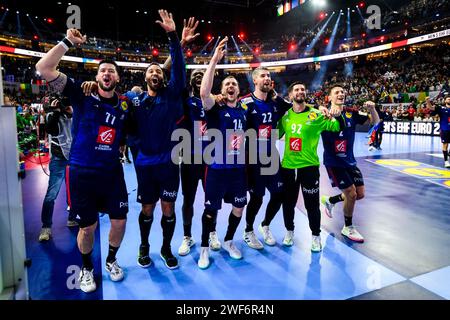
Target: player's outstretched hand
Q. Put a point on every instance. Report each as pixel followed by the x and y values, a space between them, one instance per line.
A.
pixel 167 22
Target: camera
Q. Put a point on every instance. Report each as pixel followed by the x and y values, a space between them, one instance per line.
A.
pixel 49 105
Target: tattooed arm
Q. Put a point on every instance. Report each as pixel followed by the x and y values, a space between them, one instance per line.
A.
pixel 46 66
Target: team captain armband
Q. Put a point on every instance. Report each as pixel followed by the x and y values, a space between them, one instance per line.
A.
pixel 58 84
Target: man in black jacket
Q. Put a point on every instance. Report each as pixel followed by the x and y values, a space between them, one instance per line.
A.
pixel 58 125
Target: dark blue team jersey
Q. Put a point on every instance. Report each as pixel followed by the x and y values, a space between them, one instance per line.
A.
pixel 338 146
pixel 263 117
pixel 156 117
pixel 232 122
pixel 195 122
pixel 444 117
pixel 98 127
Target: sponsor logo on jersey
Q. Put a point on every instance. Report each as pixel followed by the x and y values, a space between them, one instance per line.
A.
pixel 247 100
pixel 312 115
pixel 254 112
pixel 235 142
pixel 124 106
pixel 340 146
pixel 106 135
pixel 227 115
pixel 202 128
pixel 348 115
pixel 264 131
pixel 295 144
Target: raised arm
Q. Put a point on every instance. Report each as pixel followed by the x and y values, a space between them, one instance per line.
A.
pixel 178 74
pixel 208 79
pixel 373 112
pixel 187 36
pixel 46 66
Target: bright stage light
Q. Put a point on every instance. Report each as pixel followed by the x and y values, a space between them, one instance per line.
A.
pixel 319 3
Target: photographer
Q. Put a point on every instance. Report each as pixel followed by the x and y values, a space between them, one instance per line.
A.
pixel 58 126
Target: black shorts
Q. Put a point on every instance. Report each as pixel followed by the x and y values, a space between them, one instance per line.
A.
pixel 257 183
pixel 343 178
pixel 225 184
pixel 92 191
pixel 445 136
pixel 191 174
pixel 159 181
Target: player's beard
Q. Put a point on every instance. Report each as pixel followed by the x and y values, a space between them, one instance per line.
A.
pixel 153 85
pixel 265 88
pixel 300 99
pixel 109 88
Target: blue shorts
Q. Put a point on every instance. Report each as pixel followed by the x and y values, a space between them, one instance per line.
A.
pixel 257 183
pixel 158 181
pixel 225 184
pixel 92 191
pixel 343 178
pixel 445 136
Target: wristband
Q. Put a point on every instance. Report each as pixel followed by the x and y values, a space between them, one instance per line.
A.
pixel 66 43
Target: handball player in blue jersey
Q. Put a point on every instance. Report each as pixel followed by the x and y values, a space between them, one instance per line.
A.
pixel 157 112
pixel 225 177
pixel 194 170
pixel 265 108
pixel 444 122
pixel 96 180
pixel 340 161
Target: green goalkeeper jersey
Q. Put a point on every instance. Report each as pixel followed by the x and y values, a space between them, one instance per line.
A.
pixel 302 133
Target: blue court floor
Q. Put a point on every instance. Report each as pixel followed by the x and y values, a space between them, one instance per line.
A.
pixel 404 217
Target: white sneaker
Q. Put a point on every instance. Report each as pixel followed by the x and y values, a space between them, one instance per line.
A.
pixel 45 234
pixel 186 245
pixel 203 262
pixel 267 235
pixel 252 241
pixel 232 250
pixel 288 240
pixel 325 200
pixel 447 164
pixel 86 280
pixel 114 270
pixel 351 233
pixel 214 242
pixel 371 148
pixel 316 245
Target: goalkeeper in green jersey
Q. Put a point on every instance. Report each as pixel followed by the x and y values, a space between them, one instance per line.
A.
pixel 302 126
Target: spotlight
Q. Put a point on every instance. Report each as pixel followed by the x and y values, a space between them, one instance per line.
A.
pixel 155 52
pixel 361 4
pixel 209 37
pixel 17 12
